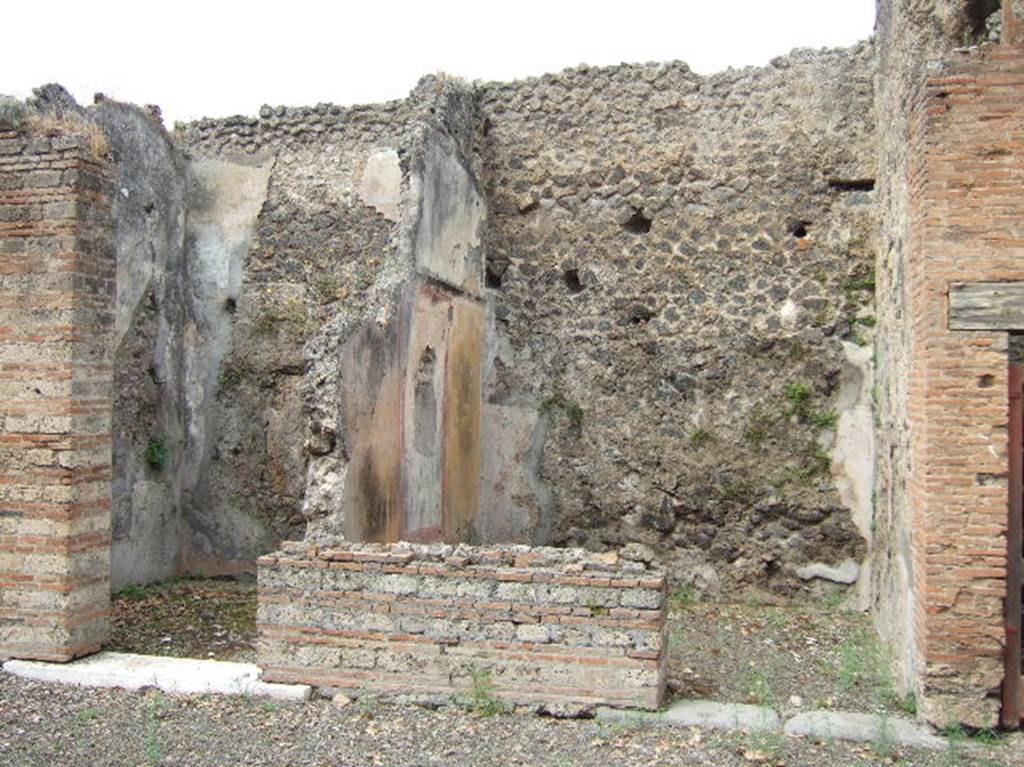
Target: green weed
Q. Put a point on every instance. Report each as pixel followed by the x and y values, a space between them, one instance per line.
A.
pixel 157 453
pixel 699 437
pixel 571 408
pixel 683 597
pixel 482 699
pixel 231 376
pixel 759 688
pixel 132 591
pixel 152 747
pixel 759 426
pixel 87 714
pixel 289 315
pixel 327 288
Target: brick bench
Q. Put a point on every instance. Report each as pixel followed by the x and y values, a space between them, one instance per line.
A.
pixel 543 625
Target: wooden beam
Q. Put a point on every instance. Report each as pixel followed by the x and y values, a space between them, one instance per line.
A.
pixel 986 306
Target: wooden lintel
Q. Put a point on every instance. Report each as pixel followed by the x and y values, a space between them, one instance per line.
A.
pixel 986 306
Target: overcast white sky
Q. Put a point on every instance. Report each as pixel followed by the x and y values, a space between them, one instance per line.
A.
pixel 218 58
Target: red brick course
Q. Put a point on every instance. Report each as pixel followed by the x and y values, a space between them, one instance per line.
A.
pixel 57 273
pixel 967 209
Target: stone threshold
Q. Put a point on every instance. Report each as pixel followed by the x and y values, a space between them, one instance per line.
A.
pixel 186 676
pixel 826 725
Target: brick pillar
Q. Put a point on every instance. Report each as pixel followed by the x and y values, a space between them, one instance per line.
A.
pixel 57 272
pixel 967 225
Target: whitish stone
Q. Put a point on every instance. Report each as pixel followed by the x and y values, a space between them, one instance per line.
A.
pixel 789 313
pixel 845 572
pixel 702 713
pixel 722 716
pixel 172 675
pixel 341 700
pixel 529 632
pixel 844 725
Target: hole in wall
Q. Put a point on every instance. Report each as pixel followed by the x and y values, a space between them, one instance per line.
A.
pixel 638 223
pixel 494 270
pixel 230 305
pixel 640 315
pixel 800 229
pixel 976 14
pixel 986 381
pixel 571 278
pixel 852 184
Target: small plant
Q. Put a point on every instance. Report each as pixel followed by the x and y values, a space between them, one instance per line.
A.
pixel 152 747
pixel 799 398
pixel 132 591
pixel 739 491
pixel 699 437
pixel 762 746
pixel 885 739
pixel 759 689
pixel 908 704
pixel 858 283
pixel 481 694
pixel 156 453
pixel 87 714
pixel 571 408
pixel 289 315
pixel 823 419
pixel 270 707
pixel 683 597
pixel 12 112
pixel 759 426
pixel 367 704
pixel 327 288
pixel 231 376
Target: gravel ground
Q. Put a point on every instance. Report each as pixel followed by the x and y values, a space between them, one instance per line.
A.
pixel 53 726
pixel 187 618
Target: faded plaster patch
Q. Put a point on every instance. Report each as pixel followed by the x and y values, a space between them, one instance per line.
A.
pixel 854 448
pixel 451 213
pixel 381 184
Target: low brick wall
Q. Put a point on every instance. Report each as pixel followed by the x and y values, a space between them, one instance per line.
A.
pixel 546 626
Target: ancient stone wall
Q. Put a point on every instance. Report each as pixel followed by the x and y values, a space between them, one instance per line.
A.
pixel 681 269
pixel 57 282
pixel 353 302
pixel 909 34
pixel 541 627
pixel 149 379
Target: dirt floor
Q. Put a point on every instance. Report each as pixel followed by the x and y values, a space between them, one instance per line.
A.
pixel 786 656
pixel 187 618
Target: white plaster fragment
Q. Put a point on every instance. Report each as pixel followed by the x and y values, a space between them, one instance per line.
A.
pixel 845 572
pixel 172 675
pixel 871 728
pixel 381 185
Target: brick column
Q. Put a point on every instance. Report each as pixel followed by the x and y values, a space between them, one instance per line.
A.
pixel 967 224
pixel 57 272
